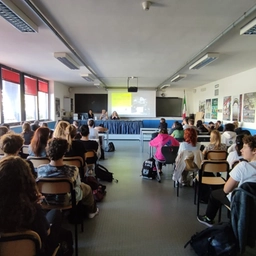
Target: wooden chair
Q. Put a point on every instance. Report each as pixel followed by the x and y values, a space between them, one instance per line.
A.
pixel 90 160
pixel 36 161
pixel 78 161
pixel 215 167
pixel 216 155
pixel 53 186
pixel 26 243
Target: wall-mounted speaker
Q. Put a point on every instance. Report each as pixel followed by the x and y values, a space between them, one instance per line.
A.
pixel 132 89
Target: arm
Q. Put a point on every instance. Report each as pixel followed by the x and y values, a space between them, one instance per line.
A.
pixel 230 185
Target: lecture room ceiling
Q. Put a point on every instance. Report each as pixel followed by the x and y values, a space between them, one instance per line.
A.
pixel 117 39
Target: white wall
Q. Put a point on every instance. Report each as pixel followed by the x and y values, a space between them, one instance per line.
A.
pixel 230 86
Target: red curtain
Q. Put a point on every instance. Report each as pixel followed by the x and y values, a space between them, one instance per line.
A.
pixel 42 86
pixel 10 76
pixel 30 86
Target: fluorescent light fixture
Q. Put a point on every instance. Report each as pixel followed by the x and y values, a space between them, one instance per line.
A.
pixel 249 28
pixel 205 60
pixel 16 17
pixel 178 77
pixel 88 77
pixel 164 86
pixel 66 60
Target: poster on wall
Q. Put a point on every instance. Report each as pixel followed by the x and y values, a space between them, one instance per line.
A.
pixel 202 106
pixel 57 107
pixel 226 108
pixel 208 109
pixel 236 108
pixel 249 107
pixel 214 108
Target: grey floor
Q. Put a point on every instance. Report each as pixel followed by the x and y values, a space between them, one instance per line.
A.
pixel 140 217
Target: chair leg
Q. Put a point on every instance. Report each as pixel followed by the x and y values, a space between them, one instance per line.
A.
pixel 220 213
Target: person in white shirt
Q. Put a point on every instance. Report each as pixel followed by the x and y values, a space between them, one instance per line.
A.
pixel 242 172
pixel 228 136
pixel 93 132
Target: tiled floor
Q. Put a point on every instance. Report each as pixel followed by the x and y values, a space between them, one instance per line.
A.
pixel 140 217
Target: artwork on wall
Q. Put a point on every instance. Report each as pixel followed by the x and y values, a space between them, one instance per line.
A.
pixel 236 107
pixel 208 109
pixel 202 106
pixel 57 107
pixel 249 107
pixel 226 108
pixel 214 108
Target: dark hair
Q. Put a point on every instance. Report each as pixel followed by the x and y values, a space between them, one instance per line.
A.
pixel 18 195
pixel 39 140
pixel 3 130
pixel 178 126
pixel 11 143
pixel 164 131
pixel 91 123
pixel 6 125
pixel 56 148
pixel 85 130
pixel 239 143
pixel 229 127
pixel 190 136
pixel 250 141
pixel 199 123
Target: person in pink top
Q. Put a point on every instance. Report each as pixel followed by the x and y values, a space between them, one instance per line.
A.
pixel 162 139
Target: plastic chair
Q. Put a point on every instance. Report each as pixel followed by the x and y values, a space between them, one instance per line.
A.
pixel 216 155
pixel 53 186
pixel 212 166
pixel 170 154
pixel 36 161
pixel 26 243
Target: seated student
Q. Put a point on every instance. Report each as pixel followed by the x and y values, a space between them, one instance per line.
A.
pixel 178 133
pixel 27 133
pixel 190 124
pixel 228 136
pixel 3 130
pixel 219 126
pixel 114 116
pixel 56 148
pixel 242 172
pixel 93 132
pixel 104 115
pixel 11 145
pixel 162 124
pixel 20 207
pixel 90 114
pixel 236 155
pixel 89 145
pixel 35 125
pixel 162 139
pixel 44 124
pixel 200 127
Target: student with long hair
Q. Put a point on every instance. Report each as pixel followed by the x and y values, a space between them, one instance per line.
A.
pixel 39 142
pixel 20 204
pixel 215 142
pixel 27 133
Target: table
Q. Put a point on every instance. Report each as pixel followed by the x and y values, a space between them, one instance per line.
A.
pixel 146 131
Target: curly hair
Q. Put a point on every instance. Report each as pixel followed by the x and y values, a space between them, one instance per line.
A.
pixel 190 136
pixel 39 140
pixel 56 148
pixel 11 143
pixel 250 141
pixel 215 138
pixel 18 194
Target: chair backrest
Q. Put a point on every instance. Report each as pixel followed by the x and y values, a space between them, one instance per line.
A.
pixel 36 161
pixel 216 155
pixel 26 243
pixel 74 160
pixel 24 149
pixel 90 157
pixel 170 153
pixel 215 166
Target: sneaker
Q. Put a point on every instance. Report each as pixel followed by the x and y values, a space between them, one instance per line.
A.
pixel 92 215
pixel 205 220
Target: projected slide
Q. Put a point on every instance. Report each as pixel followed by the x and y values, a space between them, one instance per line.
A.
pixel 132 104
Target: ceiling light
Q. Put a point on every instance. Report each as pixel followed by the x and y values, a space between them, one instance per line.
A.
pixel 88 77
pixel 178 78
pixel 164 86
pixel 205 60
pixel 66 60
pixel 16 17
pixel 249 28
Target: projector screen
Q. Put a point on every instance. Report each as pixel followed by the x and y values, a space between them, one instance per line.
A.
pixel 126 104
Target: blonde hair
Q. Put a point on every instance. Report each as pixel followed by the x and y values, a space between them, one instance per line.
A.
pixel 215 138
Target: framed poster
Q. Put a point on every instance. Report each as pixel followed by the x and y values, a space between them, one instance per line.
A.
pixel 226 108
pixel 57 107
pixel 214 108
pixel 249 107
pixel 208 109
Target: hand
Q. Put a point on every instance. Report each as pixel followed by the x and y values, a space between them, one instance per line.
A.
pixel 40 198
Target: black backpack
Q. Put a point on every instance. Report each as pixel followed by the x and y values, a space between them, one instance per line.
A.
pixel 110 147
pixel 149 169
pixel 102 173
pixel 218 240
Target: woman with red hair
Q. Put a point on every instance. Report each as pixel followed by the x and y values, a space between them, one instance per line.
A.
pixel 190 141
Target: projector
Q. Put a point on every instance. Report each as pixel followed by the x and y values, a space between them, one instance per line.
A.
pixel 132 89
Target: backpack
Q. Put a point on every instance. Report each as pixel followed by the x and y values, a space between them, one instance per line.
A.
pixel 66 243
pixel 149 169
pixel 102 173
pixel 110 147
pixel 218 240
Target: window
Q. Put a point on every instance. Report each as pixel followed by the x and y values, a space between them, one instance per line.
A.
pixel 43 99
pixel 30 98
pixel 11 96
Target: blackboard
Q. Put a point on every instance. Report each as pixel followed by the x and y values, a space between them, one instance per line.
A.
pixel 168 107
pixel 96 102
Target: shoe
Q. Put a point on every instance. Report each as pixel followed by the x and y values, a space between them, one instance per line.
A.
pixel 205 220
pixel 92 215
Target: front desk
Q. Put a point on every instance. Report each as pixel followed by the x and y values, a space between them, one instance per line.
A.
pixel 118 126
